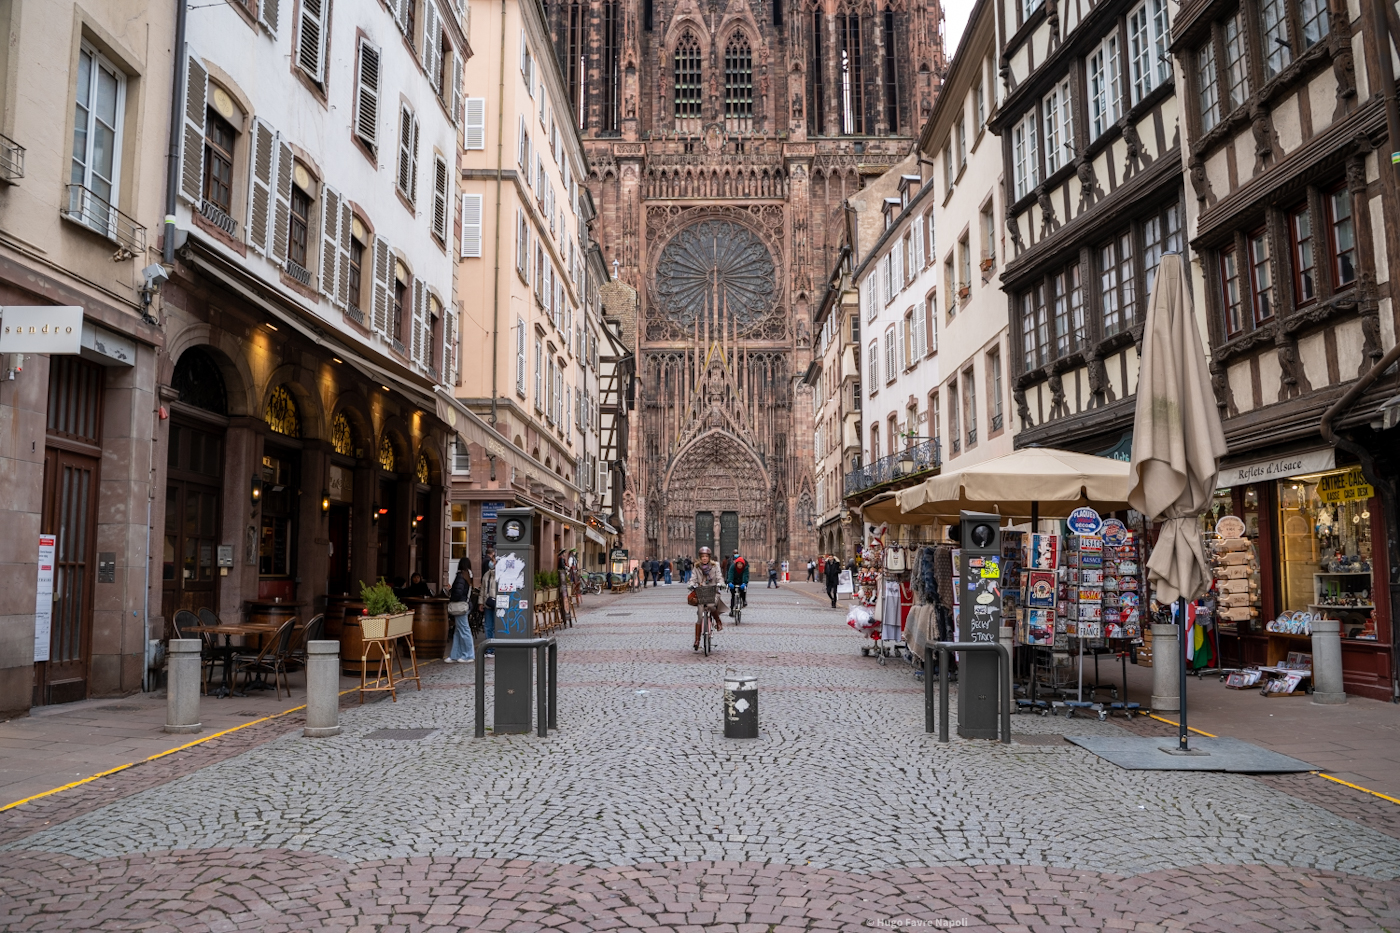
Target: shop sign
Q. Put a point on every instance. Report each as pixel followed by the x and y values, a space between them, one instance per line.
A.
pixel 341 486
pixel 42 329
pixel 1084 521
pixel 1230 526
pixel 1309 461
pixel 1349 486
pixel 43 598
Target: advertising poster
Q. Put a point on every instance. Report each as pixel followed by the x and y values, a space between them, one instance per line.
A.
pixel 43 598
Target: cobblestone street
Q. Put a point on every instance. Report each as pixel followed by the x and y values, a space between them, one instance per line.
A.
pixel 638 813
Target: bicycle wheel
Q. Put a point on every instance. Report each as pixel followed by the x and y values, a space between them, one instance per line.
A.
pixel 707 641
pixel 738 614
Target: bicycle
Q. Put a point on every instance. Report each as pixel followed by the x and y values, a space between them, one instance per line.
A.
pixel 738 601
pixel 592 584
pixel 705 596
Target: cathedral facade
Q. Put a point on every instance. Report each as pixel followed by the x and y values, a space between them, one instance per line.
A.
pixel 723 138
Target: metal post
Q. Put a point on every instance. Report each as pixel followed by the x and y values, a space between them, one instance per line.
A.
pixel 553 684
pixel 1182 743
pixel 541 692
pixel 1005 694
pixel 481 689
pixel 942 694
pixel 928 688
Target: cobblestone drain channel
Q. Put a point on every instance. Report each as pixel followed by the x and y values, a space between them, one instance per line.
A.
pixel 638 813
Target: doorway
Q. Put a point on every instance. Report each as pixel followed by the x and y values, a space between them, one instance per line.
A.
pixel 728 533
pixel 69 513
pixel 193 501
pixel 704 531
pixel 338 574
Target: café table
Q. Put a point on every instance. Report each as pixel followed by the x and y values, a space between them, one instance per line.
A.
pixel 228 630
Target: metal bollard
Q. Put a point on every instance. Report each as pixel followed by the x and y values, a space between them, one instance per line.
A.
pixel 1006 637
pixel 182 687
pixel 322 689
pixel 1327 662
pixel 740 707
pixel 1166 668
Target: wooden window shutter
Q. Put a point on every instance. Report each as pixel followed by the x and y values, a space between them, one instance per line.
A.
pixel 520 364
pixel 367 94
pixel 457 91
pixel 330 240
pixel 311 39
pixel 268 14
pixel 401 8
pixel 476 122
pixel 196 103
pixel 440 202
pixel 416 348
pixel 407 150
pixel 347 224
pixel 282 201
pixel 452 352
pixel 383 284
pixel 432 44
pixel 471 226
pixel 261 172
pixel 520 157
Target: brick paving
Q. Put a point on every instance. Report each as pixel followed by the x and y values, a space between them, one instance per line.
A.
pixel 639 814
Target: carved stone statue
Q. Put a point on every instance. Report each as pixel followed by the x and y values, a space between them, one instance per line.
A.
pixel 1047 210
pixel 1343 63
pixel 1199 182
pixel 1294 381
pixel 1023 408
pixel 1099 386
pixel 1014 230
pixel 1220 385
pixel 1088 184
pixel 1057 396
pixel 1263 127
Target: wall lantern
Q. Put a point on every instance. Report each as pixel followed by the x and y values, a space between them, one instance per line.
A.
pixel 325 501
pixel 257 489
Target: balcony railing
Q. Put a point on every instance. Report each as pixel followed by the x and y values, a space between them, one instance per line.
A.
pixel 901 463
pixel 96 214
pixel 299 272
pixel 11 160
pixel 971 438
pixel 996 422
pixel 218 217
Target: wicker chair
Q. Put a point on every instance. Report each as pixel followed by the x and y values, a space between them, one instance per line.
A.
pixel 272 659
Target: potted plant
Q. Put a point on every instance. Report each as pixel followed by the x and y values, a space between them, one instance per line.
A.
pixel 385 616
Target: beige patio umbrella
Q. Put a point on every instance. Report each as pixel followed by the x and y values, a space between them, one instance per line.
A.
pixel 1177 437
pixel 1032 481
pixel 1177 444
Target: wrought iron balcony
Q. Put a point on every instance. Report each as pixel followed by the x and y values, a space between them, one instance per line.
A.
pixel 901 463
pixel 218 217
pixel 298 272
pixel 996 422
pixel 96 214
pixel 971 437
pixel 11 160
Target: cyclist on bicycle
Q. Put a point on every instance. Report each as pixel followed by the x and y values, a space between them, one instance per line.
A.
pixel 738 580
pixel 706 574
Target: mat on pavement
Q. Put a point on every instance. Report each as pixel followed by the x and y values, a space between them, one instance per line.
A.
pixel 1135 753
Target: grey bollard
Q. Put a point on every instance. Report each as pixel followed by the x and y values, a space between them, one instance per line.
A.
pixel 1327 662
pixel 1007 636
pixel 322 689
pixel 1166 669
pixel 182 686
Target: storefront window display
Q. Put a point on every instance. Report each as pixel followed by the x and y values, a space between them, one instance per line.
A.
pixel 1325 539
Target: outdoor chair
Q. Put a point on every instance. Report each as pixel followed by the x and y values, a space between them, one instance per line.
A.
pixel 272 659
pixel 181 622
pixel 212 654
pixel 313 631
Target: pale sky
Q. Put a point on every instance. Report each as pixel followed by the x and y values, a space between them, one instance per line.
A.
pixel 955 13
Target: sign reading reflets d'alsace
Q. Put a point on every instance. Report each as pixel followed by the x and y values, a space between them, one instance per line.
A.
pixel 41 329
pixel 1260 471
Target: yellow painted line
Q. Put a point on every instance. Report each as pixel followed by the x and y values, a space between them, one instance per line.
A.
pixel 1178 725
pixel 169 751
pixel 1363 790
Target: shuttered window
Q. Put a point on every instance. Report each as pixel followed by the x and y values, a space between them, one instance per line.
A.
pixel 262 162
pixel 311 39
pixel 441 206
pixel 383 285
pixel 268 14
pixel 330 242
pixel 471 226
pixel 520 357
pixel 192 155
pixel 367 95
pixel 476 123
pixel 408 154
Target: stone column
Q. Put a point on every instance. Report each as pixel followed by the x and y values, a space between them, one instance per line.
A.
pixel 182 687
pixel 1327 662
pixel 322 689
pixel 1166 669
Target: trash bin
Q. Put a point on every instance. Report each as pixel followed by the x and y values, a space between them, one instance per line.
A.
pixel 740 707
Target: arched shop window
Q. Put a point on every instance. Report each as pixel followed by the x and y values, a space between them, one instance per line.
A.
pixel 281 415
pixel 342 438
pixel 421 470
pixel 198 381
pixel 388 460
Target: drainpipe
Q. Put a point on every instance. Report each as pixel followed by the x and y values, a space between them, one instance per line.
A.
pixel 496 279
pixel 177 125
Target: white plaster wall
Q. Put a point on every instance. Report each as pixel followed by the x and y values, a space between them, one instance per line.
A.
pixel 1270 377
pixel 1241 386
pixel 1312 352
pixel 1349 344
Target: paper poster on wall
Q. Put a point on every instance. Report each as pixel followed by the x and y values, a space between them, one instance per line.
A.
pixel 510 573
pixel 43 598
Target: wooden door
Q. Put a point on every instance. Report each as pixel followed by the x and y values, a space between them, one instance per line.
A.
pixel 704 531
pixel 339 572
pixel 70 514
pixel 193 503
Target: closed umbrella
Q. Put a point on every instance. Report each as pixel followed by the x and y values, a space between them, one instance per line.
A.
pixel 1177 444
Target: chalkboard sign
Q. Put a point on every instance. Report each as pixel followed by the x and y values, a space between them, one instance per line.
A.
pixel 980 606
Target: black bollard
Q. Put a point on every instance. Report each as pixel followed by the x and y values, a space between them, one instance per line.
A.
pixel 740 707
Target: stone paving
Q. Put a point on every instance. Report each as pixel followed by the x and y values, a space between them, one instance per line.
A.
pixel 638 813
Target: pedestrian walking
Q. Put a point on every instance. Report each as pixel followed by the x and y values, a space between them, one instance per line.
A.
pixel 459 604
pixel 772 575
pixel 832 574
pixel 811 570
pixel 655 573
pixel 486 597
pixel 666 571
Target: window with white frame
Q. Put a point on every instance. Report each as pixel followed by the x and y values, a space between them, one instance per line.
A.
pixel 887 278
pixel 891 370
pixel 948 170
pixel 100 94
pixel 962 142
pixel 1025 158
pixel 408 154
pixel 539 374
pixel 1105 87
pixel 873 377
pixel 1059 129
pixel 1207 87
pixel 1273 22
pixel 522 244
pixel 1147 47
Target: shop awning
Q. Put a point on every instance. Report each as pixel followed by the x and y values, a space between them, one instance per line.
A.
pixel 595 537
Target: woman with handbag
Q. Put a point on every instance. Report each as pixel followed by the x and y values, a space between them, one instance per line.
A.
pixel 486 602
pixel 459 607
